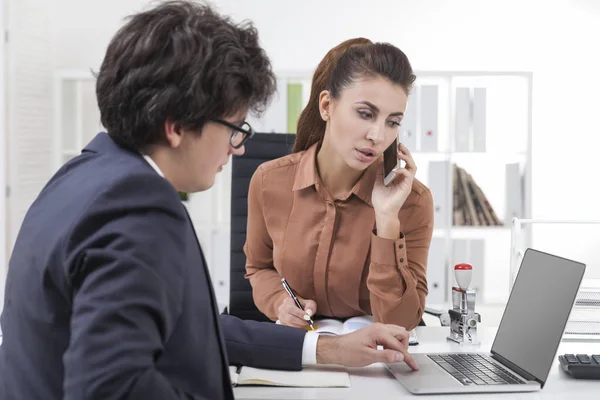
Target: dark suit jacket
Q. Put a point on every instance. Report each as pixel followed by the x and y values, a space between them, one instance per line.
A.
pixel 108 294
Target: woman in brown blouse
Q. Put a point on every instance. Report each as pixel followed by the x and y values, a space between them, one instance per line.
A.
pixel 321 217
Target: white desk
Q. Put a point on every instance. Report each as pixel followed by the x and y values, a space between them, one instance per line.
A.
pixel 376 383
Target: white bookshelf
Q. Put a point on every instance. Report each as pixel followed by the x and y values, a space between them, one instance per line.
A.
pixel 508 129
pixel 508 140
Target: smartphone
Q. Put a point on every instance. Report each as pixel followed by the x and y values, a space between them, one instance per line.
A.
pixel 390 162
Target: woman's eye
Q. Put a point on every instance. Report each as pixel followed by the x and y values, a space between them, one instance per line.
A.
pixel 393 123
pixel 365 114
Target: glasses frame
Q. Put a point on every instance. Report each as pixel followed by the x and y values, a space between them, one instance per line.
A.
pixel 248 133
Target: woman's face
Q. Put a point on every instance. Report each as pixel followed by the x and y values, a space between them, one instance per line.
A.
pixel 364 120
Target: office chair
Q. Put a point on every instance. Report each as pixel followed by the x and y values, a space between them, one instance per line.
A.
pixel 263 147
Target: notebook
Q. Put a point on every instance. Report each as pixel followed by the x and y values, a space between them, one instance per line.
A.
pixel 314 376
pixel 336 327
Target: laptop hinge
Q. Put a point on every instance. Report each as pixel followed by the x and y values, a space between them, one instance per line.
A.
pixel 515 368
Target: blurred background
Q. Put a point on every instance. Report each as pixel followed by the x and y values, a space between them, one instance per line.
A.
pixel 503 121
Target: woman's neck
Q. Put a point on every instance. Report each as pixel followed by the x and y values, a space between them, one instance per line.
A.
pixel 337 177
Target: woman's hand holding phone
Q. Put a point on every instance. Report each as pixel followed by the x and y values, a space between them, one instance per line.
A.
pixel 387 200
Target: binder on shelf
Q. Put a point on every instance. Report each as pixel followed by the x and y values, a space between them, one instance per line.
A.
pixel 294 105
pixel 428 136
pixel 480 215
pixel 462 120
pixel 408 129
pixel 488 210
pixel 479 119
pixel 436 271
pixel 470 206
pixel 514 193
pixel 438 180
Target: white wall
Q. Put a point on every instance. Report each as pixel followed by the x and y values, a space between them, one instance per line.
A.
pixel 29 106
pixel 3 141
pixel 27 67
pixel 553 39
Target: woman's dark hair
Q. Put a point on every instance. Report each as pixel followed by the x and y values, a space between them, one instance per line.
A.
pixel 184 62
pixel 344 64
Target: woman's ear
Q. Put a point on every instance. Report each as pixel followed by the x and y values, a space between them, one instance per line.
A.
pixel 325 104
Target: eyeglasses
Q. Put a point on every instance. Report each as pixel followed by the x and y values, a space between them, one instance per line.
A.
pixel 239 134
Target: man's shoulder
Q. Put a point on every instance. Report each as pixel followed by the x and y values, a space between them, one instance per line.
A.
pixel 111 180
pixel 93 190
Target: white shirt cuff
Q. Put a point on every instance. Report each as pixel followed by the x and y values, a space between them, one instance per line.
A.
pixel 309 349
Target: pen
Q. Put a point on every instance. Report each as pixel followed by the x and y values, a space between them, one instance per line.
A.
pixel 293 296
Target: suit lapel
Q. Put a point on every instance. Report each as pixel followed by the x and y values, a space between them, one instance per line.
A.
pixel 213 302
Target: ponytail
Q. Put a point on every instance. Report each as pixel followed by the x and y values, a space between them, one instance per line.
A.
pixel 311 126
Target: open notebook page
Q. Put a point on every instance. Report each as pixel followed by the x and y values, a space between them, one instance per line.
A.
pixel 315 376
pixel 335 327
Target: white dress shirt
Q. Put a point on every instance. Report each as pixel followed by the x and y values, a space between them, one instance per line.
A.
pixel 309 348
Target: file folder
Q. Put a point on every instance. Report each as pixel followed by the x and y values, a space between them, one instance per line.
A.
pixel 408 129
pixel 479 119
pixel 429 119
pixel 439 182
pixel 462 120
pixel 436 271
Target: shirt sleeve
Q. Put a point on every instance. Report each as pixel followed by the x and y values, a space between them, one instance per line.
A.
pixel 309 349
pixel 397 279
pixel 263 344
pixel 267 290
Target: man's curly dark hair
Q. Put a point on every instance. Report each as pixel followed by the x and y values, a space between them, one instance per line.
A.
pixel 183 62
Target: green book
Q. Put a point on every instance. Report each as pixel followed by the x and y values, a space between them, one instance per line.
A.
pixel 294 105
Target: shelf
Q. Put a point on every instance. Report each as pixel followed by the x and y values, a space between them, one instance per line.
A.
pixel 472 231
pixel 469 153
pixel 501 158
pixel 431 156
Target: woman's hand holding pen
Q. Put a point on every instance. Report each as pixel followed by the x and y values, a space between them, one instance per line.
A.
pixel 289 314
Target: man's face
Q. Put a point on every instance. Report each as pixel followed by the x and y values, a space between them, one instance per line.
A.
pixel 203 156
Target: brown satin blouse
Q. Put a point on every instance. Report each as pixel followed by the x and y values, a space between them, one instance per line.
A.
pixel 327 248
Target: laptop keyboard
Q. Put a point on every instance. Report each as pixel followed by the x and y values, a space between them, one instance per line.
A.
pixel 478 369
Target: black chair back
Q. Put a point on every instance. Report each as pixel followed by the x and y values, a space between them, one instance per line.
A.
pixel 262 147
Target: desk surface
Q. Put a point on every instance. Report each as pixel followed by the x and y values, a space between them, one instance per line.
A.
pixel 375 380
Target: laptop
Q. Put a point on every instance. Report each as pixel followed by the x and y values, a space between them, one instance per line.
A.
pixel 526 342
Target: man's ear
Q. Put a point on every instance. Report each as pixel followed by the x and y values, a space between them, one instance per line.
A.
pixel 325 104
pixel 173 133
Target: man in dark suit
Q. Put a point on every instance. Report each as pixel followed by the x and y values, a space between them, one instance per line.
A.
pixel 108 295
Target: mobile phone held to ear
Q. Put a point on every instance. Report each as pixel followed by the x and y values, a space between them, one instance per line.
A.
pixel 390 163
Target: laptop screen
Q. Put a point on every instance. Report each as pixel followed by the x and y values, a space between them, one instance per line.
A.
pixel 537 312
